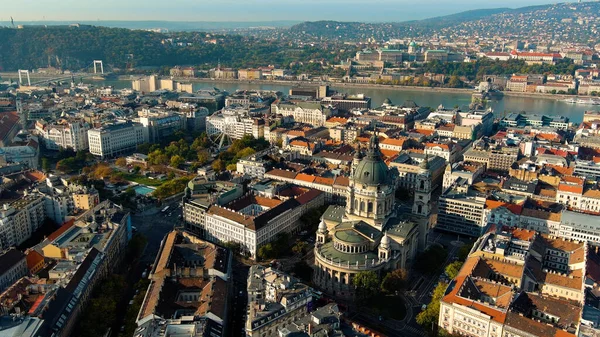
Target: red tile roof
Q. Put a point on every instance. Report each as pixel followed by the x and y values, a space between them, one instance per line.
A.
pixel 61 230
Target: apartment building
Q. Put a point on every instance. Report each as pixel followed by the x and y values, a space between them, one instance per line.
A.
pixel 160 124
pixel 588 168
pixel 235 122
pixel 83 251
pixel 461 211
pixel 27 153
pixel 192 272
pixel 275 301
pixel 305 112
pixel 411 165
pixel 501 159
pixel 334 188
pixel 19 219
pixel 518 283
pixel 64 134
pixel 200 194
pixel 255 165
pixel 469 171
pixel 13 266
pixel 450 151
pixel 254 221
pixel 116 139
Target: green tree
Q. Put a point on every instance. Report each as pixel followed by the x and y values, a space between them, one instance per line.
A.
pixel 394 281
pixel 45 164
pixel 203 157
pixel 266 252
pixel 67 165
pixel 428 317
pixel 453 268
pixel 431 259
pixel 463 251
pixel 231 167
pixel 177 161
pixel 300 247
pixel 366 283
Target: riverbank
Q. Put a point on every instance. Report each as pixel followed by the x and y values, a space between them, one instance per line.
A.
pixel 338 85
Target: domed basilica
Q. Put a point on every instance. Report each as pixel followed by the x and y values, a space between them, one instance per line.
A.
pixel 372 233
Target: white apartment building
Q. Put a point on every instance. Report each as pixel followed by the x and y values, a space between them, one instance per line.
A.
pixel 235 123
pixel 254 221
pixel 305 112
pixel 20 219
pixel 461 211
pixel 65 134
pixel 116 139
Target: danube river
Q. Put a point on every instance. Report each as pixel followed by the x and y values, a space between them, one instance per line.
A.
pixel 531 104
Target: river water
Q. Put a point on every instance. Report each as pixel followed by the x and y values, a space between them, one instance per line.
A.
pixel 533 105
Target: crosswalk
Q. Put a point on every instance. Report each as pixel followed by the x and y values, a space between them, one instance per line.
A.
pixel 414 331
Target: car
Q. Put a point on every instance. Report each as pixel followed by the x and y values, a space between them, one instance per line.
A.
pixel 131 302
pixel 423 307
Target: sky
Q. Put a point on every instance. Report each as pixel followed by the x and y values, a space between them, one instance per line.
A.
pixel 244 10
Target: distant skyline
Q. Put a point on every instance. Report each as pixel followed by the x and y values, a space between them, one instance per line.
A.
pixel 238 10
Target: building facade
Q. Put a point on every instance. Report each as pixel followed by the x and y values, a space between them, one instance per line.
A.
pixel 116 139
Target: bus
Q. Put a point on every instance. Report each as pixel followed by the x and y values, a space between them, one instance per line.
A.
pixel 164 210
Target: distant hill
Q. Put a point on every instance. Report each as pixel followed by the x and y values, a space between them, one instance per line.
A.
pixel 168 25
pixel 576 22
pixel 475 14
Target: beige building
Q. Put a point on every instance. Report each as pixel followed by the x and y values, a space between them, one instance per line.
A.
pixel 517 283
pixel 249 74
pixel 369 234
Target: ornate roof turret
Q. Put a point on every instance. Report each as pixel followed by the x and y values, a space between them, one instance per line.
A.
pixel 322 227
pixel 385 242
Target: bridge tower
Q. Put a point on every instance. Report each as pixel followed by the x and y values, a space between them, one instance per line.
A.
pixel 26 72
pixel 96 64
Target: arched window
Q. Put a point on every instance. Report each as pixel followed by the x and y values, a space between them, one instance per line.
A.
pixel 370 207
pixel 378 208
pixel 422 184
pixel 420 209
pixel 362 206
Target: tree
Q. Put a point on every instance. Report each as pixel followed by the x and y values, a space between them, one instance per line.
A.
pixel 67 165
pixel 455 82
pixel 121 162
pixel 431 259
pixel 177 161
pixel 299 247
pixel 430 315
pixel 453 268
pixel 231 167
pixel 218 165
pixel 366 283
pixel 45 164
pixel 203 157
pixel 394 281
pixel 463 251
pixel 265 252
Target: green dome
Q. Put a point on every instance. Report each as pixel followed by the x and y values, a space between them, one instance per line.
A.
pixel 413 44
pixel 371 170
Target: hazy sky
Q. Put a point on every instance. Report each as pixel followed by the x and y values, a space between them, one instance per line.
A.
pixel 240 10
